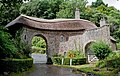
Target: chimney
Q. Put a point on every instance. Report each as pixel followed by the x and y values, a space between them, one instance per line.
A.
pixel 102 22
pixel 77 13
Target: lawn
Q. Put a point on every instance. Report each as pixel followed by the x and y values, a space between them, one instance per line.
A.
pixel 92 69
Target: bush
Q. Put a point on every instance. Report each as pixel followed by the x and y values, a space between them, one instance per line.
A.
pixel 118 45
pixel 38 50
pixel 15 65
pixel 76 54
pixel 100 49
pixel 101 64
pixel 113 60
pixel 57 60
pixel 7 46
pixel 75 61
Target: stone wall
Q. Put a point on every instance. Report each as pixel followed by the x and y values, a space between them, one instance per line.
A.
pixel 101 33
pixel 53 39
pixel 63 41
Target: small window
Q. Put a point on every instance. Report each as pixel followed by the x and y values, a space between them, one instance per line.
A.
pixel 62 39
pixel 25 37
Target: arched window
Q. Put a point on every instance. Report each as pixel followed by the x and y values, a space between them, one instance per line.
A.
pixel 25 37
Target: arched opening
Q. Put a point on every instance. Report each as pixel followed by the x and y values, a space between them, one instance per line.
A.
pixel 39 49
pixel 89 53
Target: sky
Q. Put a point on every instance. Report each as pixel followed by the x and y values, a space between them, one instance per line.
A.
pixel 114 3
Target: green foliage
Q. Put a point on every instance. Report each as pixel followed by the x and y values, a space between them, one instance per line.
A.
pixel 77 54
pixel 101 64
pixel 112 61
pixel 38 50
pixel 41 10
pixel 15 65
pixel 118 45
pixel 7 46
pixel 75 61
pixel 23 48
pixel 38 42
pixel 67 8
pixel 57 60
pixel 9 10
pixel 113 55
pixel 39 45
pixel 100 49
pixel 97 3
pixel 12 48
pixel 58 55
pixel 116 34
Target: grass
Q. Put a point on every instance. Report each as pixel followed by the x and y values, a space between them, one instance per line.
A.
pixel 90 68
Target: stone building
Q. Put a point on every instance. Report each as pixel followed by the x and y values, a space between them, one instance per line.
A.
pixel 62 35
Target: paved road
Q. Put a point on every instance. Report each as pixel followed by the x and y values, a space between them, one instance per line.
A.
pixel 50 70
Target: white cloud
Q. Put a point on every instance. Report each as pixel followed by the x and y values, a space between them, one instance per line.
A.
pixel 114 3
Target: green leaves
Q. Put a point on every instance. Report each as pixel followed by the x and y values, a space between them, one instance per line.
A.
pixel 41 8
pixel 100 49
pixel 38 45
pixel 67 8
pixel 97 3
pixel 9 10
pixel 7 46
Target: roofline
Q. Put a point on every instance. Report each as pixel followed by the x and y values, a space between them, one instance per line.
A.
pixel 43 20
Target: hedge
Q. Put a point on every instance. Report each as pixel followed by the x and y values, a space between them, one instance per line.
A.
pixel 75 61
pixel 115 63
pixel 15 65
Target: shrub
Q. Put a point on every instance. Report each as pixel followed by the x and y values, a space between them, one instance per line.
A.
pixel 57 60
pixel 7 46
pixel 39 44
pixel 101 64
pixel 118 45
pixel 15 65
pixel 100 49
pixel 67 61
pixel 76 54
pixel 112 60
pixel 38 50
pixel 75 61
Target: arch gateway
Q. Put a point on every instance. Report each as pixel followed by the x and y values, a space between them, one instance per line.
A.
pixel 61 35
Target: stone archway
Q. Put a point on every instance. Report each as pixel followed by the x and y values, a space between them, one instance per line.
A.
pixel 40 56
pixel 89 53
pixel 60 34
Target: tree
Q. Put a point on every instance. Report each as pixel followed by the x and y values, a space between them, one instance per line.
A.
pixel 67 8
pixel 9 10
pixel 7 46
pixel 100 49
pixel 41 8
pixel 38 45
pixel 97 3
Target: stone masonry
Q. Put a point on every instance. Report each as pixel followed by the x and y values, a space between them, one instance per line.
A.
pixel 61 35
